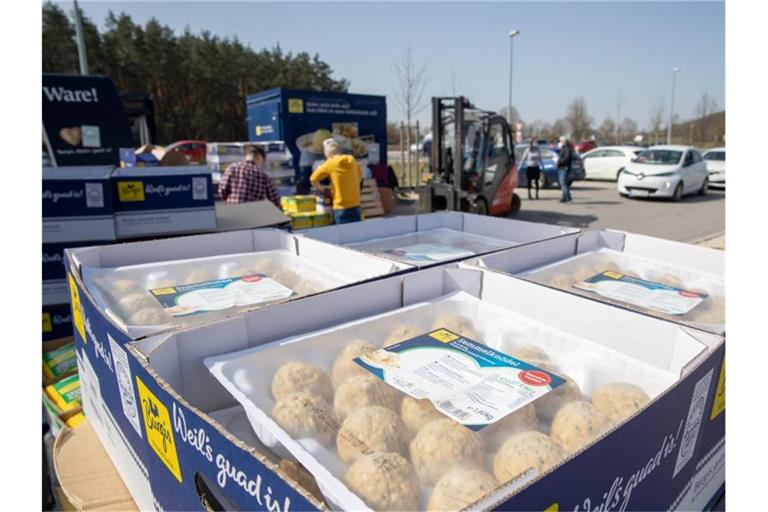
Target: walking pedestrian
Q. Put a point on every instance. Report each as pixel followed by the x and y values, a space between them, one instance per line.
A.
pixel 533 167
pixel 564 163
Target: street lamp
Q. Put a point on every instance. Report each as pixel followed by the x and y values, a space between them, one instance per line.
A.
pixel 512 34
pixel 675 71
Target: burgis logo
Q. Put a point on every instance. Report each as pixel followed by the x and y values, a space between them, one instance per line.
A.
pixel 162 190
pixel 62 94
pixel 62 319
pixel 98 347
pixel 54 197
pixel 157 425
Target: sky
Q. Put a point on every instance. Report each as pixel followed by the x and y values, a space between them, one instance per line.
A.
pixel 610 53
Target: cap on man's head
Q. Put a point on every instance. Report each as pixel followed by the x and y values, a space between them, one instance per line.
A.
pixel 331 144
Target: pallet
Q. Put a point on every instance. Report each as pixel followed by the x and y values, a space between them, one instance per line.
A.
pixel 370 200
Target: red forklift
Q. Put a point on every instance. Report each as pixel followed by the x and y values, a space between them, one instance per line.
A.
pixel 472 159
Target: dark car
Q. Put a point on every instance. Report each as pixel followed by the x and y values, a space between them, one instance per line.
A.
pixel 549 162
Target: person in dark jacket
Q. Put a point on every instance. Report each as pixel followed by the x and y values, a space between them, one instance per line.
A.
pixel 564 162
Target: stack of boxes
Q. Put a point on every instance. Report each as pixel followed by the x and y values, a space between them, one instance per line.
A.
pixel 305 212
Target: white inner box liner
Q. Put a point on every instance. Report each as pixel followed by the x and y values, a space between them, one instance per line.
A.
pixel 467 243
pixel 709 314
pixel 248 374
pixel 299 274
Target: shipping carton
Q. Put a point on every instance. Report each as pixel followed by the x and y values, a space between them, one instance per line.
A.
pixel 347 266
pixel 77 204
pixel 55 288
pixel 528 262
pixel 162 200
pixel 151 401
pixel 57 320
pixel 492 234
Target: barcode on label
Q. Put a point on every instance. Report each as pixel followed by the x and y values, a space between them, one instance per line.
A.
pixel 451 409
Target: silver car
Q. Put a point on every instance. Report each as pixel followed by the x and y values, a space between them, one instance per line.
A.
pixel 667 171
pixel 715 160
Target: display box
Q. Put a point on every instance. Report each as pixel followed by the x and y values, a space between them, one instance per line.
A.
pixel 55 288
pixel 130 282
pixel 154 401
pixel 162 200
pixel 77 204
pixel 678 282
pixel 435 238
pixel 57 321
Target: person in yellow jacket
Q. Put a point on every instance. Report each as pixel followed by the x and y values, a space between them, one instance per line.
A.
pixel 345 175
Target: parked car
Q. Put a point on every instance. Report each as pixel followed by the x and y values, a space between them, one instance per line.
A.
pixel 194 149
pixel 605 163
pixel 549 161
pixel 584 146
pixel 715 160
pixel 664 171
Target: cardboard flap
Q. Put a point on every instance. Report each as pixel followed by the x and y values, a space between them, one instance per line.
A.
pixel 594 240
pixel 449 220
pixel 86 474
pixel 518 231
pixel 344 261
pixel 695 257
pixel 253 215
pixel 526 257
pixel 96 172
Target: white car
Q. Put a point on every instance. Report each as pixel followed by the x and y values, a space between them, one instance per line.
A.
pixel 715 160
pixel 605 163
pixel 665 171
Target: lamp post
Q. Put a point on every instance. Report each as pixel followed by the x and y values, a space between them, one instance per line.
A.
pixel 81 54
pixel 675 71
pixel 512 34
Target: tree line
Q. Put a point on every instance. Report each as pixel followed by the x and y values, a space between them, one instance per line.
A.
pixel 198 82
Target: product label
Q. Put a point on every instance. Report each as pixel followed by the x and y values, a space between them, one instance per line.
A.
pixel 125 384
pixel 465 380
pixel 47 325
pixel 77 309
pixel 693 422
pixel 130 191
pixel 220 294
pixel 94 195
pixel 157 424
pixel 199 189
pixel 91 136
pixel 718 405
pixel 429 252
pixel 657 297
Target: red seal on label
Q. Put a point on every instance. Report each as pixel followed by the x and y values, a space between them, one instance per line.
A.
pixel 685 293
pixel 535 378
pixel 251 279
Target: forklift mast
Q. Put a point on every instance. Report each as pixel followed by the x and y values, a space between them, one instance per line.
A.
pixel 448 115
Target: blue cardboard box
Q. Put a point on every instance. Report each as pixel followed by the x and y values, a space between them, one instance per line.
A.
pixel 57 321
pixel 162 200
pixel 55 288
pixel 150 401
pixel 77 204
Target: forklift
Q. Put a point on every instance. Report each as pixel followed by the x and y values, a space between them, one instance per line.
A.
pixel 472 160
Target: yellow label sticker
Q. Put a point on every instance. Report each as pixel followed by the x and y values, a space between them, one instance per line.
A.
pixel 555 507
pixel 719 405
pixel 295 106
pixel 443 336
pixel 47 324
pixel 613 275
pixel 163 291
pixel 130 191
pixel 157 425
pixel 258 130
pixel 77 308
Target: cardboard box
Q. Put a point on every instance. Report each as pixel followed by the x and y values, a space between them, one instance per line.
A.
pixel 352 266
pixel 77 204
pixel 519 261
pixel 57 321
pixel 508 233
pixel 87 477
pixel 162 200
pixel 306 220
pixel 295 204
pixel 57 418
pixel 154 395
pixel 55 288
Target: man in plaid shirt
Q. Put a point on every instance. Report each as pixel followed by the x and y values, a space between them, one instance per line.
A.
pixel 244 181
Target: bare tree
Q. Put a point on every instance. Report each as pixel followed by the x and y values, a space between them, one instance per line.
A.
pixel 560 127
pixel 409 92
pixel 629 127
pixel 515 117
pixel 607 129
pixel 658 108
pixel 578 119
pixel 706 106
pixel 450 87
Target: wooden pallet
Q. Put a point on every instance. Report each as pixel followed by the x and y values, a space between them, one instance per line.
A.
pixel 370 200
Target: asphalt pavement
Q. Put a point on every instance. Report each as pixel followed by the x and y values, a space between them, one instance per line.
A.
pixel 597 205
